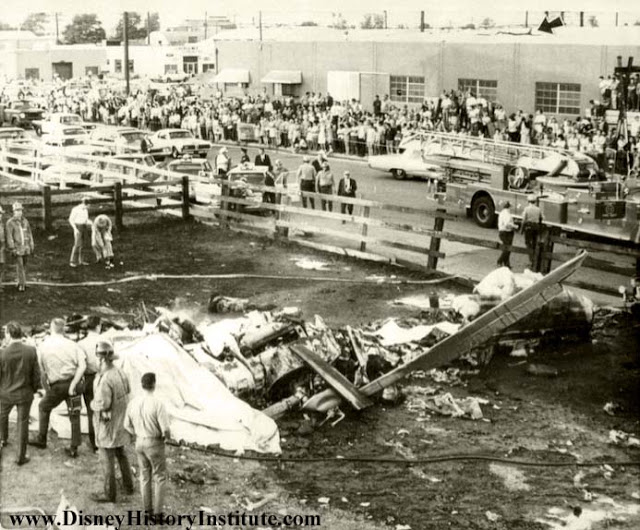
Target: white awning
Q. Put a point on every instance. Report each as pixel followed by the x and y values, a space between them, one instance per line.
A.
pixel 232 75
pixel 283 77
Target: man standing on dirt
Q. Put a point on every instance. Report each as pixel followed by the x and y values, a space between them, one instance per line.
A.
pixel 19 380
pixel 111 397
pixel 20 243
pixel 325 185
pixel 307 178
pixel 62 365
pixel 506 231
pixel 81 225
pixel 88 345
pixel 347 187
pixel 148 421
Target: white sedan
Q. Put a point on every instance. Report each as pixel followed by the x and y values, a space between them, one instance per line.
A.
pixel 177 142
pixel 411 163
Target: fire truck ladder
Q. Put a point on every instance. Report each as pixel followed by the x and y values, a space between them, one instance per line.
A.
pixel 480 149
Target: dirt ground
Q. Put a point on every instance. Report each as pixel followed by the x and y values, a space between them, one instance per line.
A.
pixel 544 420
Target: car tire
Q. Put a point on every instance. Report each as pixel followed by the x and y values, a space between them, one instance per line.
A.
pixel 483 212
pixel 399 174
pixel 38 130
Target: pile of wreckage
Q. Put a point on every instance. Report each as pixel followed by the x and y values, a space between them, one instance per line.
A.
pixel 210 370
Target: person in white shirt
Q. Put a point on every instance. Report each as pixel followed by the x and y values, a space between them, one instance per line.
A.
pixel 81 225
pixel 506 231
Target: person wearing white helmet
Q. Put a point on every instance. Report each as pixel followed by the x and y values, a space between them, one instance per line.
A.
pixel 20 243
pixel 223 162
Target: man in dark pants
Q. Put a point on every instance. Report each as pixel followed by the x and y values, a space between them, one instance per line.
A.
pixel 111 397
pixel 19 380
pixel 506 231
pixel 531 221
pixel 306 176
pixel 62 365
pixel 347 187
pixel 88 345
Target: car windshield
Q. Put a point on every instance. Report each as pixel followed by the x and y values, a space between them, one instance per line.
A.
pixel 70 119
pixel 72 141
pixel 191 169
pixel 23 104
pixel 132 137
pixel 254 179
pixel 180 134
pixel 74 132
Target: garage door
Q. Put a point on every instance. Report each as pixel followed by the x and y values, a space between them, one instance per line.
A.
pixel 63 70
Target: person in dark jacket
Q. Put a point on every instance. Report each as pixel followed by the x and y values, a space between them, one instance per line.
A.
pixel 347 187
pixel 19 380
pixel 262 159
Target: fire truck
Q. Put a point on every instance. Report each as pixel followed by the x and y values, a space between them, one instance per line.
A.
pixel 479 175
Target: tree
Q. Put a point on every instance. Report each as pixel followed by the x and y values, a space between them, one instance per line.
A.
pixel 487 23
pixel 36 22
pixel 593 22
pixel 309 23
pixel 469 26
pixel 338 21
pixel 84 29
pixel 5 27
pixel 372 21
pixel 137 27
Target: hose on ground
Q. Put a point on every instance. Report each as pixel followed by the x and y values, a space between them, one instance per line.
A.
pixel 468 457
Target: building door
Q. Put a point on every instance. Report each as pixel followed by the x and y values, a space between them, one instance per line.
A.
pixel 62 69
pixel 190 64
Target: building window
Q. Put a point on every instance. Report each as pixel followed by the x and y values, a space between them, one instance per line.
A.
pixel 32 73
pixel 484 88
pixel 170 68
pixel 208 66
pixel 117 66
pixel 192 39
pixel 289 90
pixel 406 89
pixel 558 98
pixel 91 70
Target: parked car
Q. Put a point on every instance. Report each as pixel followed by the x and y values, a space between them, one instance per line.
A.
pixel 241 180
pixel 202 187
pixel 139 174
pixel 57 120
pixel 62 176
pixel 120 140
pixel 65 143
pixel 176 142
pixel 411 163
pixel 20 113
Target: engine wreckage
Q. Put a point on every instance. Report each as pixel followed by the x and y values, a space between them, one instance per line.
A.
pixel 215 372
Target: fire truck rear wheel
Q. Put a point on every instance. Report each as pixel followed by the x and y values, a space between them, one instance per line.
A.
pixel 483 212
pixel 399 174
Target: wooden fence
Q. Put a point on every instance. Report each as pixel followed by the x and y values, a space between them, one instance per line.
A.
pixel 361 228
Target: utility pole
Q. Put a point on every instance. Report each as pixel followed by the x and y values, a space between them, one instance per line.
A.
pixel 148 29
pixel 385 19
pixel 422 21
pixel 126 51
pixel 57 29
pixel 206 17
pixel 526 19
pixel 581 19
pixel 260 24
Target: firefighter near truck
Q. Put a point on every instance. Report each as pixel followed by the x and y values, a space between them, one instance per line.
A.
pixel 574 194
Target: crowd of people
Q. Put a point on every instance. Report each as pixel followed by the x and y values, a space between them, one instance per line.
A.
pixel 62 370
pixel 317 121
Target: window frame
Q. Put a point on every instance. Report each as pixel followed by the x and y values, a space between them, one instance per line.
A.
pixel 476 86
pixel 558 97
pixel 406 83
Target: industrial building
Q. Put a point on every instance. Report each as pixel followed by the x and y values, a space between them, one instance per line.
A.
pixel 520 69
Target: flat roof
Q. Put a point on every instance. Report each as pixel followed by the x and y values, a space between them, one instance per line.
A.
pixel 621 36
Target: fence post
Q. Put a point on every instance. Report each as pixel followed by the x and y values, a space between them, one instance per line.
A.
pixel 434 244
pixel 365 228
pixel 117 197
pixel 185 197
pixel 47 217
pixel 224 192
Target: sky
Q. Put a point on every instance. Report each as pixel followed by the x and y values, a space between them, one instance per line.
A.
pixel 438 13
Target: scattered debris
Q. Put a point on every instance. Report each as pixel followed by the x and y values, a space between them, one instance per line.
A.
pixel 512 477
pixel 309 264
pixel 492 516
pixel 324 500
pixel 611 408
pixel 542 370
pixel 603 510
pixel 623 438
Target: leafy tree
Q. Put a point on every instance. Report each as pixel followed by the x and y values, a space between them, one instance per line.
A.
pixel 137 26
pixel 468 26
pixel 338 21
pixel 308 23
pixel 372 21
pixel 36 22
pixel 83 29
pixel 593 22
pixel 5 27
pixel 487 23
